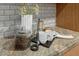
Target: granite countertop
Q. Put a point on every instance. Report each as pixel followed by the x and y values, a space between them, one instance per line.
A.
pixel 57 48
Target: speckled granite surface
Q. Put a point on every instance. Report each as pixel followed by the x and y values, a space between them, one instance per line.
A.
pixel 57 47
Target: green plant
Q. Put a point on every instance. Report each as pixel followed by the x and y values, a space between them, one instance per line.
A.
pixel 28 10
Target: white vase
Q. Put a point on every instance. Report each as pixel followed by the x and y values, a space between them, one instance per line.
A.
pixel 26 23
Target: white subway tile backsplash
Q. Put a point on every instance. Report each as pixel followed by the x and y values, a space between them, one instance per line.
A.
pixel 9 12
pixel 13 6
pixel 1 12
pixel 8 23
pixel 9 15
pixel 15 17
pixel 4 18
pixel 4 6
